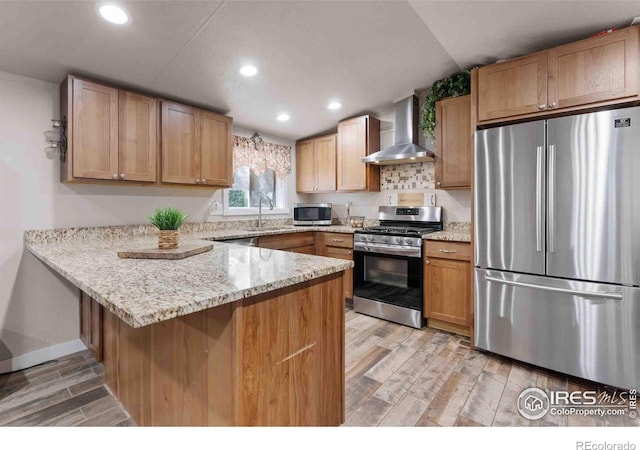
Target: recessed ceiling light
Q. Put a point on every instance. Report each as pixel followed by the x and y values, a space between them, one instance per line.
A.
pixel 248 70
pixel 114 13
pixel 334 105
pixel 283 117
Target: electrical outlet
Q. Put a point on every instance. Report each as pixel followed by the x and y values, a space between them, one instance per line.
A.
pixel 430 199
pixel 215 208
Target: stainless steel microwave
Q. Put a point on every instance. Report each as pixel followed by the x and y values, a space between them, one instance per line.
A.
pixel 312 214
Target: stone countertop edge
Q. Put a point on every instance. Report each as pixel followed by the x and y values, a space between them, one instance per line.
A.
pixel 57 235
pixel 451 236
pixel 189 307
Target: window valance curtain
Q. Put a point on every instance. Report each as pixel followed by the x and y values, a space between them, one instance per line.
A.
pixel 260 156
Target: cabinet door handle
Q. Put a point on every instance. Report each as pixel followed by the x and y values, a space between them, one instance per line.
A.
pixel 114 176
pixel 438 183
pixel 442 250
pixel 542 106
pixel 337 240
pixel 426 261
pixel 122 176
pixel 552 105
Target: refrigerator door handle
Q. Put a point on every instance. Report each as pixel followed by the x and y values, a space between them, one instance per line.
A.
pixel 610 295
pixel 552 198
pixel 539 194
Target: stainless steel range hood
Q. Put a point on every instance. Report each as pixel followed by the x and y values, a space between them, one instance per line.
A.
pixel 406 148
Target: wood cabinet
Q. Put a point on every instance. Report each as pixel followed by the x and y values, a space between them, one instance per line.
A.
pixel 196 146
pixel 454 143
pixel 115 135
pixel 293 242
pixel 447 281
pixel 594 70
pixel 597 71
pixel 332 245
pixel 357 138
pixel 340 246
pixel 138 137
pixel 92 146
pixel 111 133
pixel 316 164
pixel 216 149
pixel 273 359
pixel 91 325
pixel 513 88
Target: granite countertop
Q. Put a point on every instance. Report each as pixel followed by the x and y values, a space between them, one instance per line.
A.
pixel 453 231
pixel 221 235
pixel 446 235
pixel 143 292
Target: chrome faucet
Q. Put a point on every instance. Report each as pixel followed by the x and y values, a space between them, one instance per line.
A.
pixel 264 197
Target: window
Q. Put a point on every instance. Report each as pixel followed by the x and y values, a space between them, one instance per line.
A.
pixel 261 170
pixel 248 188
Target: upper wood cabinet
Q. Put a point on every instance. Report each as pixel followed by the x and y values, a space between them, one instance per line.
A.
pixel 597 71
pixel 180 147
pixel 316 164
pixel 111 133
pixel 593 70
pixel 92 146
pixel 216 149
pixel 513 88
pixel 454 144
pixel 114 134
pixel 357 138
pixel 138 137
pixel 196 146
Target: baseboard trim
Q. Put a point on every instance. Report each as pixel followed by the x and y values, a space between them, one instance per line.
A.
pixel 40 356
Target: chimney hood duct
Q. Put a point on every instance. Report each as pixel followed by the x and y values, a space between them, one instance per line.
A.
pixel 405 148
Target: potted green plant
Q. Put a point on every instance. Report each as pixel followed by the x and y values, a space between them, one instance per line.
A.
pixel 168 220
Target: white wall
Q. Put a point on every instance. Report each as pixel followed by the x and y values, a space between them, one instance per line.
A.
pixel 38 309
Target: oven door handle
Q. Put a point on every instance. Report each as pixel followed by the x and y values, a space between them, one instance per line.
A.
pixel 384 249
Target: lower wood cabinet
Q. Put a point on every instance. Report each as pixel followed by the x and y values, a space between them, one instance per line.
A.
pixel 447 286
pixel 91 325
pixel 338 245
pixel 274 359
pixel 293 242
pixel 332 245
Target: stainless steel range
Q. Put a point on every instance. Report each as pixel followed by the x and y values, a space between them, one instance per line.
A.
pixel 387 279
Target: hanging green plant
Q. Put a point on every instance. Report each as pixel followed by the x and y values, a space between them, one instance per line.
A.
pixel 453 86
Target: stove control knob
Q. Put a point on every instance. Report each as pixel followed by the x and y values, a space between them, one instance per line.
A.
pixel 385 239
pixel 370 238
pixel 398 240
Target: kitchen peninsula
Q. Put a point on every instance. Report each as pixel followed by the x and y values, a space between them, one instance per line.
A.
pixel 235 336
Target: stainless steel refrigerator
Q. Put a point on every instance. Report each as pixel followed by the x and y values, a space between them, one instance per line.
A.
pixel 557 226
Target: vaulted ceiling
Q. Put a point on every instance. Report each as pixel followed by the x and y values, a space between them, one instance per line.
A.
pixel 365 54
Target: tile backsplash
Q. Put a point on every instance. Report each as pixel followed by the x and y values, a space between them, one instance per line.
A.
pixel 419 175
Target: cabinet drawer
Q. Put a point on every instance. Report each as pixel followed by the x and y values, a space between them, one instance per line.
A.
pixel 338 240
pixel 448 250
pixel 340 253
pixel 286 241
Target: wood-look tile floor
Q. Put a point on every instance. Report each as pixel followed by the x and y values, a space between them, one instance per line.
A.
pixel 399 376
pixel 395 376
pixel 65 392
